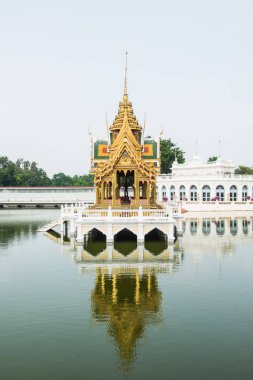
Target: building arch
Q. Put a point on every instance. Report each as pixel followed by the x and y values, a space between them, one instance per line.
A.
pixel 233 193
pixel 95 241
pixel 244 193
pixel 125 241
pixel 220 193
pixel 164 191
pixel 156 241
pixel 182 193
pixel 172 192
pixel 206 193
pixel 193 193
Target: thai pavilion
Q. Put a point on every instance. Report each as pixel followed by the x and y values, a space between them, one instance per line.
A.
pixel 126 165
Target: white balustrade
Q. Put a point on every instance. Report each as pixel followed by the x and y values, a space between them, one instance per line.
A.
pixel 82 212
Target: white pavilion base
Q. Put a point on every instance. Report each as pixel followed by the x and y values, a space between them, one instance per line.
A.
pixel 79 220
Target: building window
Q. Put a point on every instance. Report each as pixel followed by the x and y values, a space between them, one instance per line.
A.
pixel 220 193
pixel 233 193
pixel 206 193
pixel 172 192
pixel 193 193
pixel 182 192
pixel 164 193
pixel 244 193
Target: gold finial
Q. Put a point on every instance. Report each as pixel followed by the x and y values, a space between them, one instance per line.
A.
pixel 125 84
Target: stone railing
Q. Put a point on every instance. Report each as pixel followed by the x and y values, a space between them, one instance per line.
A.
pixel 81 211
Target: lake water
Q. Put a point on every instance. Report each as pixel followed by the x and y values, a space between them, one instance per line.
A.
pixel 70 314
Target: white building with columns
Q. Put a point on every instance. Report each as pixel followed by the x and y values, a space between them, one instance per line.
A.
pixel 202 186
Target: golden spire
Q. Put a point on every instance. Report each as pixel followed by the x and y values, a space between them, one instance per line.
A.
pixel 125 104
pixel 125 83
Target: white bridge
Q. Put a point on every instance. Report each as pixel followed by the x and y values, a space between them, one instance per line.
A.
pixel 78 220
pixel 47 197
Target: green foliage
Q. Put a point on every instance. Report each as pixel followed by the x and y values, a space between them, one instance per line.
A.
pixel 167 154
pixel 26 173
pixel 244 170
pixel 84 180
pixel 212 159
pixel 7 172
pixel 61 179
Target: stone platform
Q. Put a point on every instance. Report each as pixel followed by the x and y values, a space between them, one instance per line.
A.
pixel 78 220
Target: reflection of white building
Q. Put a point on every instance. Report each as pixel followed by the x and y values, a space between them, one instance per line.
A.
pixel 216 233
pixel 198 182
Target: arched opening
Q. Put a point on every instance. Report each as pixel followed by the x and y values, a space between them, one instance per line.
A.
pixel 156 241
pixel 125 241
pixel 206 227
pixel 244 193
pixel 233 193
pixel 182 193
pixel 125 186
pixel 206 193
pixel 164 192
pixel 95 242
pixel 193 193
pixel 220 193
pixel 172 192
pixel 233 227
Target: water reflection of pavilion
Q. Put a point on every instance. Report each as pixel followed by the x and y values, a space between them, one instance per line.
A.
pixel 127 301
pixel 96 250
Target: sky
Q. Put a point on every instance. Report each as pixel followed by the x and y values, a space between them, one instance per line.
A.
pixel 190 68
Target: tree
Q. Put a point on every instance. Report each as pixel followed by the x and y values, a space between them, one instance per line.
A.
pixel 84 180
pixel 7 172
pixel 244 170
pixel 28 174
pixel 168 150
pixel 212 159
pixel 61 179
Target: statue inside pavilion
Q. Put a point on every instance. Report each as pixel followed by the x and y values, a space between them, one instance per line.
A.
pixel 125 166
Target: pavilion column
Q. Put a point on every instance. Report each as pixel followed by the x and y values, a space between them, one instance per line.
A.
pixel 137 191
pixel 154 193
pixel 148 193
pixel 102 193
pixel 114 186
pixel 97 195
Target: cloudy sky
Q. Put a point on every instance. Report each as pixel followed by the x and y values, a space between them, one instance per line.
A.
pixel 190 67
